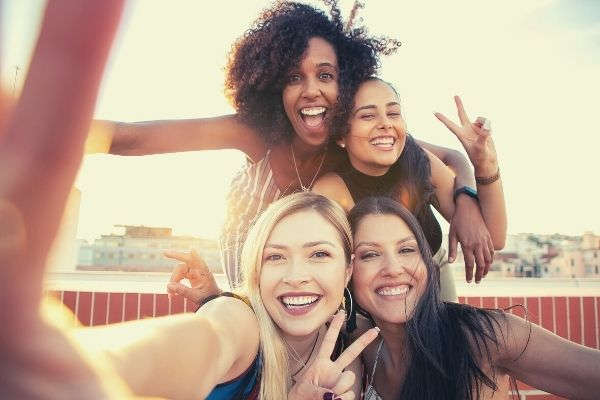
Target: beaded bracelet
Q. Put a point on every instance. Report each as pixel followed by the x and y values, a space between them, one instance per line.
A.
pixel 486 180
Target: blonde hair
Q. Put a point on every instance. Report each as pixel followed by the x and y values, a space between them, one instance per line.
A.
pixel 276 380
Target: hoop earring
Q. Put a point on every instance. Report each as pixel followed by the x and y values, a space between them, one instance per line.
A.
pixel 349 313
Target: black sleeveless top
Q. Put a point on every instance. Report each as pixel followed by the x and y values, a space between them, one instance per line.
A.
pixel 361 186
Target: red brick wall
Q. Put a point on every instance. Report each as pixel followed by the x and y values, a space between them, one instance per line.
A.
pixel 574 318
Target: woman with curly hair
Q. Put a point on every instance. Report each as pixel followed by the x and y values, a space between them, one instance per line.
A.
pixel 435 350
pixel 285 77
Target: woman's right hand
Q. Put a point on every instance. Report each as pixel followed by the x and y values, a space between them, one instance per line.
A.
pixel 193 268
pixel 323 375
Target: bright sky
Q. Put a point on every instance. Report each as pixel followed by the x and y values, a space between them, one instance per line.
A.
pixel 532 67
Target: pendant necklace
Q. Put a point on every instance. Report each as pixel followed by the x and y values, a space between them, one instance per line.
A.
pixel 309 187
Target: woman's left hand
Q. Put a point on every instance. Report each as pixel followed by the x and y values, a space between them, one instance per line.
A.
pixel 476 139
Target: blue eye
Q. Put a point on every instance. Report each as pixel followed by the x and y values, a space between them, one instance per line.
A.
pixel 274 257
pixel 320 254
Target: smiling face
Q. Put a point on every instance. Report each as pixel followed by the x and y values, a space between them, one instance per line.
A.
pixel 311 92
pixel 389 274
pixel 303 273
pixel 377 130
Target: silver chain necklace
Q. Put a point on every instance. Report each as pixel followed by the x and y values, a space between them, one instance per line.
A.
pixel 309 187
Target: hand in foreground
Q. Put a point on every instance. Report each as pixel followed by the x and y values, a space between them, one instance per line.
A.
pixel 41 146
pixel 476 139
pixel 193 268
pixel 468 227
pixel 323 373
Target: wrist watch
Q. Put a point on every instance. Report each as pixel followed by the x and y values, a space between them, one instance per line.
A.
pixel 469 191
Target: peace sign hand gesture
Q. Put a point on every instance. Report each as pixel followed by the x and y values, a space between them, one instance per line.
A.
pixel 323 373
pixel 476 139
pixel 193 268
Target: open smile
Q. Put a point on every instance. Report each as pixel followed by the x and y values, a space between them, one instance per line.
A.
pixel 299 304
pixel 394 292
pixel 385 143
pixel 313 117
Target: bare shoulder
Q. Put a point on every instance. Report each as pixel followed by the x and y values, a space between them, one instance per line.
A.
pixel 332 186
pixel 237 330
pixel 230 312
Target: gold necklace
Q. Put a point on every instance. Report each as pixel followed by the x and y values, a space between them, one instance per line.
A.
pixel 309 187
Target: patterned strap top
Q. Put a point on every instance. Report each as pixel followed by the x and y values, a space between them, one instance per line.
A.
pixel 251 191
pixel 370 392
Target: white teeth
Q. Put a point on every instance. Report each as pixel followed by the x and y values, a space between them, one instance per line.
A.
pixel 393 291
pixel 383 141
pixel 312 110
pixel 299 300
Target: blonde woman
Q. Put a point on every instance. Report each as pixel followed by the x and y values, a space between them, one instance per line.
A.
pixel 42 361
pixel 271 334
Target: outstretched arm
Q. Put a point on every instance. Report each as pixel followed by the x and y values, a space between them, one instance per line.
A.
pixel 169 136
pixel 180 357
pixel 41 146
pixel 548 362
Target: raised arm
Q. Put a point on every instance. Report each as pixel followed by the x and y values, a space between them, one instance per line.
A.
pixel 454 160
pixel 180 357
pixel 548 362
pixel 479 145
pixel 153 137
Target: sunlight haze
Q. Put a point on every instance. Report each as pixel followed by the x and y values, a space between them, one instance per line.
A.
pixel 532 67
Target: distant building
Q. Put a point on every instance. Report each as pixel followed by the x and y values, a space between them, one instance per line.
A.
pixel 535 256
pixel 582 261
pixel 140 248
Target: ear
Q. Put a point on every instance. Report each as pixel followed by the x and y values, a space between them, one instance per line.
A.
pixel 341 142
pixel 349 270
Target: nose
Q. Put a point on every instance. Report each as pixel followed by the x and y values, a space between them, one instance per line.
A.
pixel 384 122
pixel 296 274
pixel 311 88
pixel 392 267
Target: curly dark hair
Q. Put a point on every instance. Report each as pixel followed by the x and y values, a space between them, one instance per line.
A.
pixel 261 59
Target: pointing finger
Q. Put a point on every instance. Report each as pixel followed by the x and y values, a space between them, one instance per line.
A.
pixel 462 115
pixel 331 335
pixel 356 348
pixel 178 255
pixel 449 124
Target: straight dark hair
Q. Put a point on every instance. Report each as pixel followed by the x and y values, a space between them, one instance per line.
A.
pixel 446 342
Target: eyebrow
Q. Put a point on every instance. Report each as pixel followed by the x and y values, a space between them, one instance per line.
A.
pixel 305 245
pixel 370 106
pixel 404 240
pixel 326 64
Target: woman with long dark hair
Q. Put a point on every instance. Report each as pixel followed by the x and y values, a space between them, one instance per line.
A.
pixel 431 349
pixel 384 160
